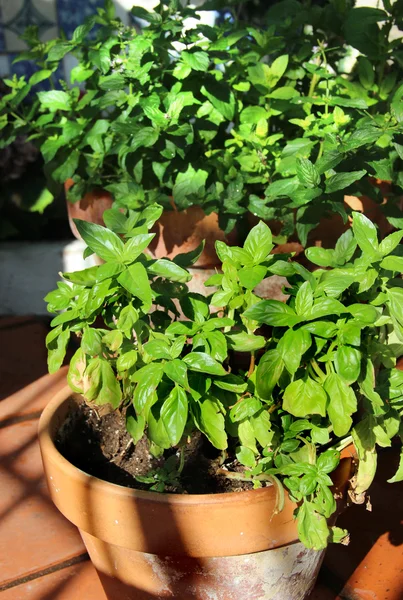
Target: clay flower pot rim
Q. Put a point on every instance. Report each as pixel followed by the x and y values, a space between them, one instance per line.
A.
pixel 47 444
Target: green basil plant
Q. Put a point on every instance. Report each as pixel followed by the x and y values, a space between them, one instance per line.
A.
pixel 279 387
pixel 235 118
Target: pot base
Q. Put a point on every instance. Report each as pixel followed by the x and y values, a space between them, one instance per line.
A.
pixel 282 573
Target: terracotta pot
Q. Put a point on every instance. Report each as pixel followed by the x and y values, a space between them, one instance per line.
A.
pixel 178 232
pixel 147 546
pixel 91 208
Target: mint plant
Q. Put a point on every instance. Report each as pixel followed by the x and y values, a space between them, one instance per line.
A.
pixel 234 118
pixel 320 367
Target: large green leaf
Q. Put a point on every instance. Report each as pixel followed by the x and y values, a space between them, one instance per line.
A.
pixel 213 424
pixel 259 242
pixel 135 280
pixel 313 530
pixel 174 414
pixel 273 312
pixel 167 268
pixel 305 397
pixel 342 404
pixel 54 100
pixel 106 244
pixel 365 233
pixel 147 379
pixel 340 181
pixel 268 373
pixel 203 363
pixel 364 442
pixel 109 391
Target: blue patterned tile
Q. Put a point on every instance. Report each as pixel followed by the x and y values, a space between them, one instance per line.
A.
pixel 27 68
pixel 2 42
pixel 71 13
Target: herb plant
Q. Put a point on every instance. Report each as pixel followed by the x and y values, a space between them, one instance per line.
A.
pixel 234 118
pixel 320 370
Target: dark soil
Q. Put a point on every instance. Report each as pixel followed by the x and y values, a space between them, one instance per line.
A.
pixel 101 446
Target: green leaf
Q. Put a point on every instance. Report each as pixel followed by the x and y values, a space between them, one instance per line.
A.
pixel 75 376
pixel 127 360
pixel 244 408
pixel 366 72
pixel 127 318
pixel 135 246
pixel 106 244
pixel 340 181
pixel 148 379
pixel 188 183
pixel 213 424
pixel 342 404
pixel 91 342
pixel 56 343
pixel 348 363
pixel 135 425
pixel 245 456
pixel 203 363
pixel 397 105
pixel 147 136
pixel 67 169
pixel 307 173
pixel 345 247
pixel 250 277
pixel 92 379
pixel 304 300
pixel 365 234
pixel 245 342
pixel 221 97
pixel 186 259
pixel 389 243
pixel 198 60
pixel 393 263
pixel 398 476
pixel 135 281
pixel 268 373
pixel 157 349
pixel 364 442
pixel 54 100
pixel 302 398
pixel 176 370
pixel 40 76
pixel 253 114
pixel 320 256
pixel 164 267
pixel 174 413
pixel 259 242
pixel 313 530
pixel 116 81
pixel 273 312
pixel 109 391
pixel 292 346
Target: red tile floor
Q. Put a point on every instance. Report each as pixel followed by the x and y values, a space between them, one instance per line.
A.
pixel 42 556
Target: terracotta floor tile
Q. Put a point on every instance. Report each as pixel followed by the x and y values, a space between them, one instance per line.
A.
pixel 380 574
pixel 23 352
pixel 33 534
pixel 321 592
pixel 79 582
pixel 34 397
pixel 373 562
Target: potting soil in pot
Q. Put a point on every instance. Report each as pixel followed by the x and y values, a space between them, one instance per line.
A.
pixel 101 446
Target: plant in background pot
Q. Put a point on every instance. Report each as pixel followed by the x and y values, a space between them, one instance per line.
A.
pixel 218 427
pixel 308 148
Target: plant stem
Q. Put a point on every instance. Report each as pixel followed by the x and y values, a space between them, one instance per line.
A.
pixel 318 370
pixel 181 459
pixel 252 363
